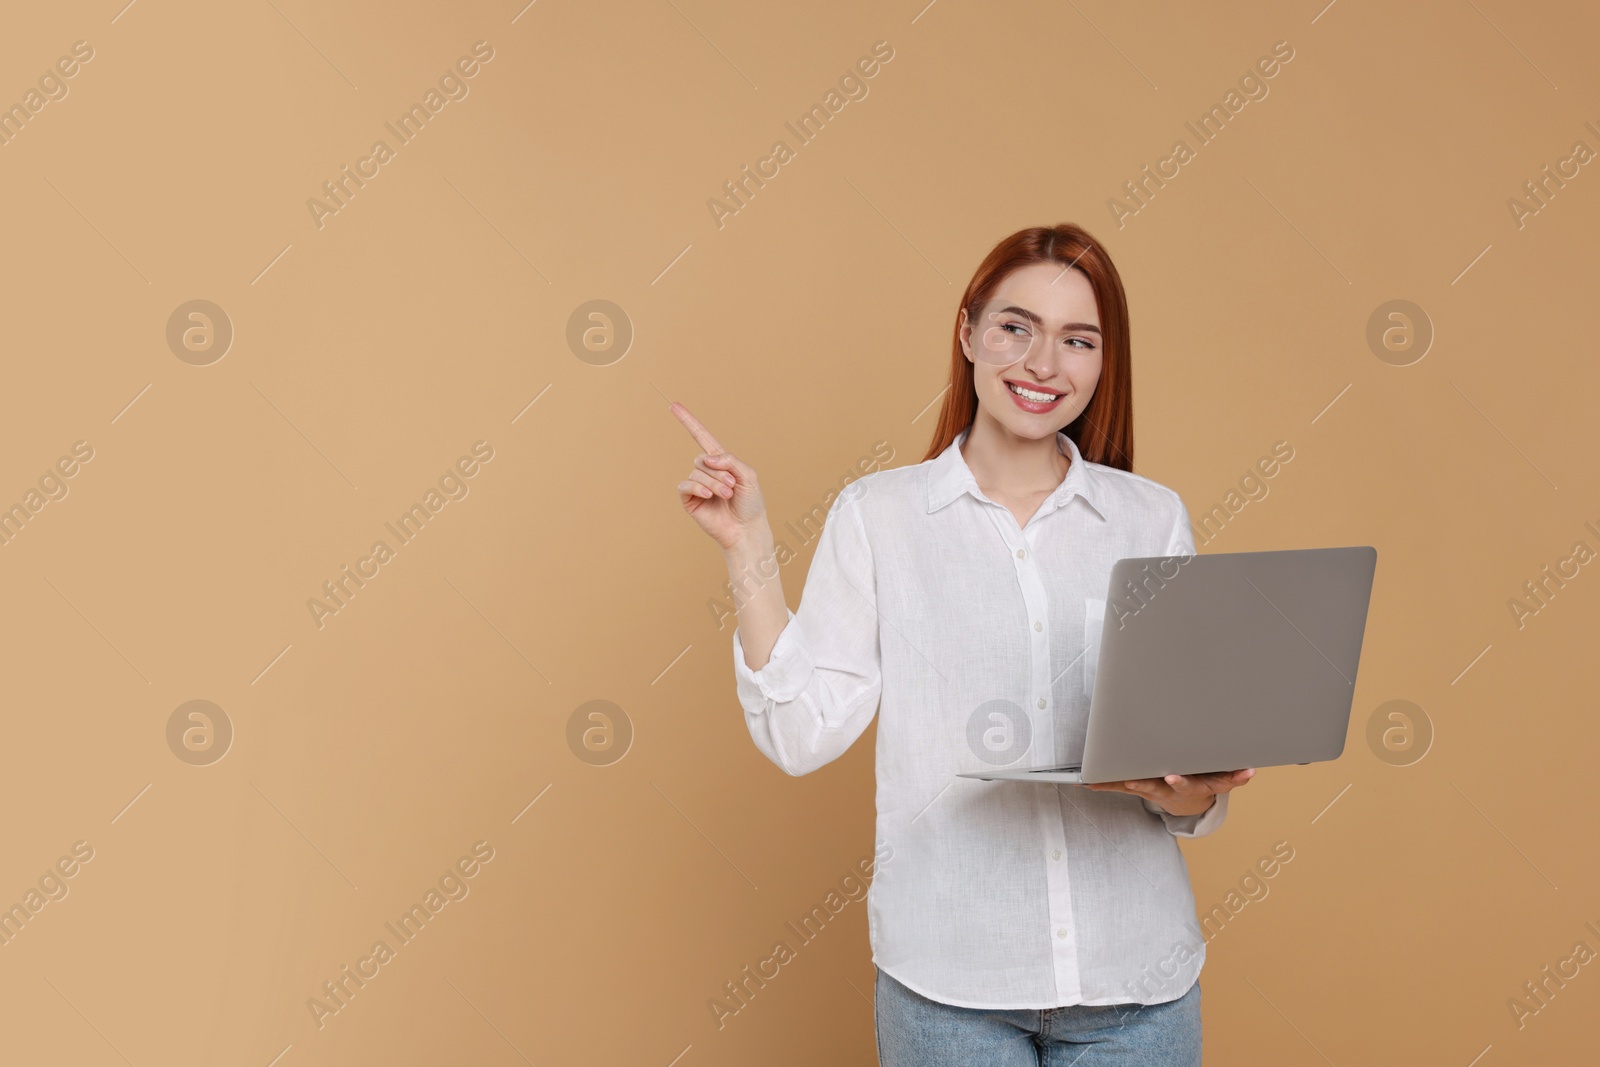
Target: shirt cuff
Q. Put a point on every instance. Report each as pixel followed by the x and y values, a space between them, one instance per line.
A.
pixel 785 674
pixel 1198 825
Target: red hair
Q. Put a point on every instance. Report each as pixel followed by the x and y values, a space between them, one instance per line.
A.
pixel 1103 432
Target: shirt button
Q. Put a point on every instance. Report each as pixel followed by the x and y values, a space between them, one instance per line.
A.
pixel 1041 702
pixel 1061 932
pixel 1038 626
pixel 1056 854
pixel 1021 553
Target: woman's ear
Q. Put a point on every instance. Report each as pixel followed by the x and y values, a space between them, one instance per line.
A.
pixel 966 335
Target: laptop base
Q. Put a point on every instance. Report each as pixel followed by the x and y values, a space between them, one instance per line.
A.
pixel 1072 774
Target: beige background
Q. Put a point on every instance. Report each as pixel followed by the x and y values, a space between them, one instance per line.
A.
pixel 431 311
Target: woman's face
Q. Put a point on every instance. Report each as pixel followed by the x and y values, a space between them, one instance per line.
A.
pixel 1040 332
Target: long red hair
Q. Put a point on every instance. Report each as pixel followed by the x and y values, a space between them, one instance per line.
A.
pixel 1103 432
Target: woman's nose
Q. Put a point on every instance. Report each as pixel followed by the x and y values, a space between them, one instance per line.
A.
pixel 1041 365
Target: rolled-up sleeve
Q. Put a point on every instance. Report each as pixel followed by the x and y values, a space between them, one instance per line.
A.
pixel 1180 542
pixel 820 687
pixel 1191 825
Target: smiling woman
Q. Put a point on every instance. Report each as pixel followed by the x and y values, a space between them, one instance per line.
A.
pixel 965 587
pixel 1073 366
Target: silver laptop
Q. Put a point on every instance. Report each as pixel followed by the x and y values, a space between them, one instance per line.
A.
pixel 1220 662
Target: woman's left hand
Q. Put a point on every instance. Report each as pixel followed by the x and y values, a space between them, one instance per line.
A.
pixel 1182 794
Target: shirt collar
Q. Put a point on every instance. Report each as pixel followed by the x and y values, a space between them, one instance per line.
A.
pixel 949 477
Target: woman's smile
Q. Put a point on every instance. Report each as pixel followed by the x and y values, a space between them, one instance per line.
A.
pixel 1029 397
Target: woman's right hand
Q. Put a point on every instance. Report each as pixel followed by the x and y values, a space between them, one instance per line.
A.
pixel 721 493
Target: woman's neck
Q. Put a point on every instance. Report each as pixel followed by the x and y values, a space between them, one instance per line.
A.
pixel 1006 465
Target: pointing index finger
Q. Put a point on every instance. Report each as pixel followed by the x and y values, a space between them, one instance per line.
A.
pixel 696 429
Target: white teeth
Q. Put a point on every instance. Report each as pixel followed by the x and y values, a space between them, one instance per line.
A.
pixel 1029 394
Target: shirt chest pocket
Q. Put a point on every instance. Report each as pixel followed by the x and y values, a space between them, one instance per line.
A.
pixel 1094 615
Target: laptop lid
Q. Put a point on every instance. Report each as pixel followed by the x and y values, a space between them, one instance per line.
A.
pixel 1227 660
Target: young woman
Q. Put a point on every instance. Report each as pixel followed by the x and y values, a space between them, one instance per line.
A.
pixel 960 599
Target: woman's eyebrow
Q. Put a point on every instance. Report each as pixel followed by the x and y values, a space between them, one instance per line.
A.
pixel 1025 313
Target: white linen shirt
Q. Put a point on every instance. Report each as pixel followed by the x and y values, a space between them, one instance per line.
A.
pixel 975 641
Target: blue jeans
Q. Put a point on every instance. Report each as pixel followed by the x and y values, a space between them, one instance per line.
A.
pixel 914 1031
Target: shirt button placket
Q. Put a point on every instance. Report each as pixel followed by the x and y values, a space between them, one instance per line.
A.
pixel 1047 808
pixel 1036 604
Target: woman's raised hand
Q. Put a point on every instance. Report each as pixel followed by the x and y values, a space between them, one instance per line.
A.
pixel 721 493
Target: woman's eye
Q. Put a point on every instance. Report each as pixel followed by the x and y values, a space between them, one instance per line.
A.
pixel 1016 325
pixel 1086 342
